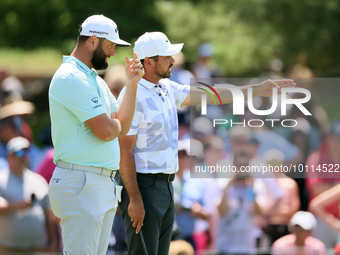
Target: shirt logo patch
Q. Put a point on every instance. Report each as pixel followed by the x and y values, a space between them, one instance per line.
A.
pixel 94 100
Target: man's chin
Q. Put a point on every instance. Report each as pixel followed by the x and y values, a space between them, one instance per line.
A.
pixel 169 74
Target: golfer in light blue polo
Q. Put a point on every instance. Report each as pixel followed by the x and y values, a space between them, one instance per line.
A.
pixel 86 121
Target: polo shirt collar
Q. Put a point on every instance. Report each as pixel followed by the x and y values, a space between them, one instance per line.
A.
pixel 79 64
pixel 147 84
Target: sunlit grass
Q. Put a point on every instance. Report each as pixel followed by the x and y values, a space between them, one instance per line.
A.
pixel 41 62
pixel 44 62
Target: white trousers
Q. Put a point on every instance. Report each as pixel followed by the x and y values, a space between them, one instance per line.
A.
pixel 85 203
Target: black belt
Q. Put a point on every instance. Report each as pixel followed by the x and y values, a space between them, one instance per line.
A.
pixel 160 176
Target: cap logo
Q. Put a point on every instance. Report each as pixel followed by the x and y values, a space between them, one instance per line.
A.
pixel 98 32
pixel 166 40
pixel 116 30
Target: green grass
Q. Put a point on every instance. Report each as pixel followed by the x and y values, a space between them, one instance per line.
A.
pixel 44 62
pixel 37 63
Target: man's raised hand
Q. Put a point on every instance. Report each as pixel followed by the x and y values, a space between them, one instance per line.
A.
pixel 134 69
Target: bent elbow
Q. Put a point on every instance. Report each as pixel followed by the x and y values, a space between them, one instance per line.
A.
pixel 107 135
pixel 124 132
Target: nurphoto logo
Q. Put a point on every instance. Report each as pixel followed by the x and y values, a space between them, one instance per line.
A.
pixel 239 105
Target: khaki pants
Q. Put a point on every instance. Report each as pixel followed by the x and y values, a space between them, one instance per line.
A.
pixel 85 203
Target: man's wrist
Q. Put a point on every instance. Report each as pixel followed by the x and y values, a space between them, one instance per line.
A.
pixel 136 199
pixel 131 84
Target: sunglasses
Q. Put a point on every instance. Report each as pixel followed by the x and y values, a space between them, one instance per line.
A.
pixel 21 153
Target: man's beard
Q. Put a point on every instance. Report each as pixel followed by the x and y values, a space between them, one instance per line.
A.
pixel 98 58
pixel 166 74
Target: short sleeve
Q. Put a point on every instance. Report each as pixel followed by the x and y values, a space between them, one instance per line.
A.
pixel 81 97
pixel 180 92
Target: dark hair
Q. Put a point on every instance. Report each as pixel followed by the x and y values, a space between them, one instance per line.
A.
pixel 83 38
pixel 156 58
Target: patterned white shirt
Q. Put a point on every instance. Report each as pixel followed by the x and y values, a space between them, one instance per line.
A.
pixel 156 125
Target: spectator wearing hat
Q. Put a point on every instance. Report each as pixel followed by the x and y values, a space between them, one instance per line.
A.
pixel 324 177
pixel 12 124
pixel 300 241
pixel 150 147
pixel 14 105
pixel 86 121
pixel 25 217
pixel 204 71
pixel 201 68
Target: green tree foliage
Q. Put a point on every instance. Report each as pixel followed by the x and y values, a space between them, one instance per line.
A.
pixel 240 47
pixel 309 26
pixel 247 34
pixel 35 23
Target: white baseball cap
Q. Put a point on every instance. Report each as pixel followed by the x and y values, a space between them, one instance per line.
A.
pixel 16 144
pixel 192 147
pixel 155 44
pixel 102 27
pixel 306 220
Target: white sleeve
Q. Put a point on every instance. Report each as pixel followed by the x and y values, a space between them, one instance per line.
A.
pixel 180 93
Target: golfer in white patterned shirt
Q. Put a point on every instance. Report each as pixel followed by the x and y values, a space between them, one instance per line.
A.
pixel 149 151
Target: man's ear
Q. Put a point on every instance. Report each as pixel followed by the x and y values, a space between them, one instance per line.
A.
pixel 149 62
pixel 93 42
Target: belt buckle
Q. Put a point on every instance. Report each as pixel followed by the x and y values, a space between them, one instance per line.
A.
pixel 169 178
